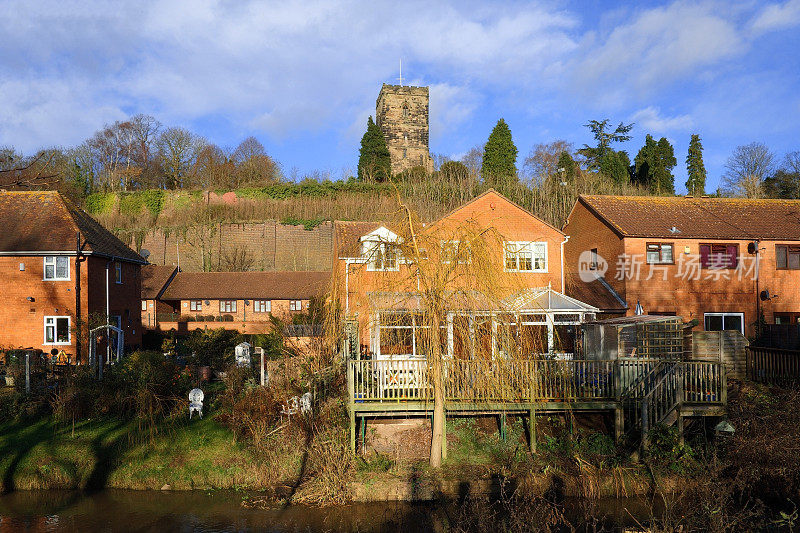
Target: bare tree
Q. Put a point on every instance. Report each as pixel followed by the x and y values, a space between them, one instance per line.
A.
pixel 542 161
pixel 213 167
pixel 746 169
pixel 177 149
pixel 34 173
pixel 236 259
pixel 253 165
pixel 144 129
pixel 473 160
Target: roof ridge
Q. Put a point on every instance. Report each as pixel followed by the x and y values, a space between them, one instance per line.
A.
pixel 502 196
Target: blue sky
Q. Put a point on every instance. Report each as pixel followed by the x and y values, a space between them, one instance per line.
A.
pixel 303 76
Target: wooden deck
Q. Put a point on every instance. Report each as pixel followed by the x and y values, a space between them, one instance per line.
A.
pixel 647 391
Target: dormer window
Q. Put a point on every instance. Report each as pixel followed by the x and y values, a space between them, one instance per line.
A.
pixel 380 250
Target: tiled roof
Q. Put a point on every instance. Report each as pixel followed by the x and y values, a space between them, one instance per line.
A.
pixel 247 285
pixel 347 235
pixel 697 218
pixel 155 279
pixel 596 293
pixel 44 221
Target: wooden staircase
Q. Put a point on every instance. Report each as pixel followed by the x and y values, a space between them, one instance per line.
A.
pixel 670 391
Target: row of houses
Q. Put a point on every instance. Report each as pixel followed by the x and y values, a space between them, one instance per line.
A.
pixel 718 263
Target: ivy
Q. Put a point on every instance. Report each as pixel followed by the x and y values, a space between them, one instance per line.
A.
pixel 100 202
pixel 307 223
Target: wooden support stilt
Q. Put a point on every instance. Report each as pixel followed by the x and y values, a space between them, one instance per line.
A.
pixel 502 426
pixel 363 433
pixel 680 423
pixel 352 431
pixel 532 430
pixel 619 424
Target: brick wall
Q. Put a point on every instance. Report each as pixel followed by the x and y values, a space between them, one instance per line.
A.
pixel 244 313
pixel 270 245
pixel 505 222
pixel 686 296
pixel 586 232
pixel 23 321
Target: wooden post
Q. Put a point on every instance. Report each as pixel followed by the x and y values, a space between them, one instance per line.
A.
pixel 363 434
pixel 532 430
pixel 619 424
pixel 502 426
pixel 680 424
pixel 352 404
pixel 263 370
pixel 645 426
pixel 27 372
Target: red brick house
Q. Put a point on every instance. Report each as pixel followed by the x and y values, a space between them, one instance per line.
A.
pixel 244 301
pixel 374 282
pixel 721 261
pixel 59 268
pixel 155 280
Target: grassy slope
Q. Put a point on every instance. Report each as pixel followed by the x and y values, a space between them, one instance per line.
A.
pixel 108 452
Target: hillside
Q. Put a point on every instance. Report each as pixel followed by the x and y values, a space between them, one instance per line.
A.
pixel 288 226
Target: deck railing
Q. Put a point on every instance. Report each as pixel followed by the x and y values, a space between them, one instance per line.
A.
pixel 773 365
pixel 534 380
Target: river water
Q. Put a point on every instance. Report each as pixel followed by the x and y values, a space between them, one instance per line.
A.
pixel 146 511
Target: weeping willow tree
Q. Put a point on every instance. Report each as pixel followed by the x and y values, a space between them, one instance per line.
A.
pixel 448 293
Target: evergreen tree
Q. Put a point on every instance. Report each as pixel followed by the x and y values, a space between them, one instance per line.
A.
pixel 615 165
pixel 596 155
pixel 569 166
pixel 499 156
pixel 653 165
pixel 696 184
pixel 374 162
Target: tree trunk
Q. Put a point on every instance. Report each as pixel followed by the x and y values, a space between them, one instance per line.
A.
pixel 438 415
pixel 437 427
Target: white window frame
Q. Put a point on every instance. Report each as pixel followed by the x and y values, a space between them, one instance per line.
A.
pixel 262 306
pixel 54 324
pixel 516 247
pixel 52 260
pixel 375 253
pixel 223 303
pixel 118 272
pixel 723 315
pixel 195 305
pixel 144 305
pixel 295 305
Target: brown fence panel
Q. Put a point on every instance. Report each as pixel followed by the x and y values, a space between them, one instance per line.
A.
pixel 773 365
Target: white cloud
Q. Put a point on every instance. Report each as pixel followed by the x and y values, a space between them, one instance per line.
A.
pixel 450 107
pixel 650 120
pixel 656 47
pixel 777 17
pixel 280 68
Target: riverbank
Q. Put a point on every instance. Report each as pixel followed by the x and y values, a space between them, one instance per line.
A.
pixel 752 475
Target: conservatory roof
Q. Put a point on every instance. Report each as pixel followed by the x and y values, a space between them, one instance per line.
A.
pixel 543 299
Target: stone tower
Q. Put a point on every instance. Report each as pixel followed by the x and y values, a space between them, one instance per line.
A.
pixel 401 113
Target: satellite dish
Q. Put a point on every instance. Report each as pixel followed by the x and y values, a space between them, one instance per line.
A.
pixel 752 248
pixel 144 252
pixel 764 295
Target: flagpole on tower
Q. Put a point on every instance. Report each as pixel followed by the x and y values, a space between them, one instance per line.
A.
pixel 401 72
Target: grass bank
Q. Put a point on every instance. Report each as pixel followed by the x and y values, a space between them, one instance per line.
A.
pixel 109 452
